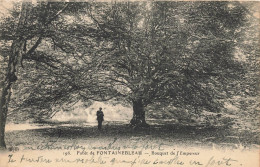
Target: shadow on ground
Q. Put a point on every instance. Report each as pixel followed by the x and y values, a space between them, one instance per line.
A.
pixel 171 133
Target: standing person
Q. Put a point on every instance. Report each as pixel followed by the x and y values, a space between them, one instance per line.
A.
pixel 100 118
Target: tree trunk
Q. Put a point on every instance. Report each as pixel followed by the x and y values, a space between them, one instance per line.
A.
pixel 5 96
pixel 10 77
pixel 17 50
pixel 139 114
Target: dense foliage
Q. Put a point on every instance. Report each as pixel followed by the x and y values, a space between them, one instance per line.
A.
pixel 190 56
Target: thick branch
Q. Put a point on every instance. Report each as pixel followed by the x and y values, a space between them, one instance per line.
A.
pixel 41 58
pixel 33 48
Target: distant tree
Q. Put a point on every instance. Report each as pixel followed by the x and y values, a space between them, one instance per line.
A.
pixel 27 32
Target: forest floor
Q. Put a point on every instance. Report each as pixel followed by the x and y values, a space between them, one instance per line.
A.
pixel 168 133
pixel 163 143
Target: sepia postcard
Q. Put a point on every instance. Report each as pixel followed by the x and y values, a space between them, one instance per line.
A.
pixel 129 83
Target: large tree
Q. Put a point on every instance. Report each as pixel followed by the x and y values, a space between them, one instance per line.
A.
pixel 170 52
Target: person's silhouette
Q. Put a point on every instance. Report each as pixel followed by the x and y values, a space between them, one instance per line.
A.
pixel 100 118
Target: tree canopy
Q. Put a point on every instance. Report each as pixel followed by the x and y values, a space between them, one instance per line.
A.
pixel 181 54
